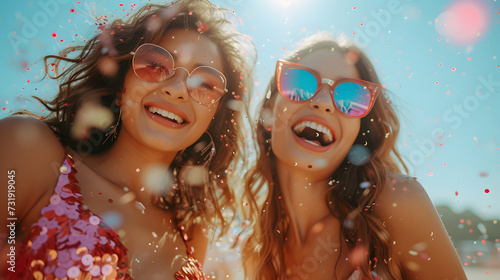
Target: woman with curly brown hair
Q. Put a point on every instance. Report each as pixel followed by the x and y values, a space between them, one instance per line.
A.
pixel 152 185
pixel 336 206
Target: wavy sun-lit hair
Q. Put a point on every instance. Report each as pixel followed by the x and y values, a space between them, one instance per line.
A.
pixel 84 80
pixel 350 204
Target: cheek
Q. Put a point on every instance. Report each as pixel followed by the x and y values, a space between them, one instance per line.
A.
pixel 204 115
pixel 280 117
pixel 352 129
pixel 134 89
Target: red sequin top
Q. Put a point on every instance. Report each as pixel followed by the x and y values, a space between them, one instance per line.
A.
pixel 70 241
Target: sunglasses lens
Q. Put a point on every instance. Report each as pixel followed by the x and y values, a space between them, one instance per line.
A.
pixel 352 99
pixel 297 84
pixel 152 63
pixel 206 84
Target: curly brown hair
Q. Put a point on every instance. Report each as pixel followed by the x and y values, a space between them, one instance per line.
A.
pixel 84 80
pixel 345 199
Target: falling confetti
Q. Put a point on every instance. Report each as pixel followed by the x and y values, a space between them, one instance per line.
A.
pixel 463 22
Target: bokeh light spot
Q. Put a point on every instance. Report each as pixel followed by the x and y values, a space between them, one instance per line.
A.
pixel 463 22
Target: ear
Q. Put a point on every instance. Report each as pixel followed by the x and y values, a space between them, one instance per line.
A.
pixel 118 102
pixel 118 98
pixel 351 57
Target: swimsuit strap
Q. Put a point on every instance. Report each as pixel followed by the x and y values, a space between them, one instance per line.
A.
pixel 192 269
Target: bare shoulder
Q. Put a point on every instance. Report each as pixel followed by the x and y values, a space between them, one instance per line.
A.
pixel 420 241
pixel 27 139
pixel 403 201
pixel 402 190
pixel 33 153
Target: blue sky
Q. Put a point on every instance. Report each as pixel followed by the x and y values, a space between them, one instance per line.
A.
pixel 445 81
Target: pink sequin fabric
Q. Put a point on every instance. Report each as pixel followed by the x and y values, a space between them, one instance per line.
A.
pixel 69 241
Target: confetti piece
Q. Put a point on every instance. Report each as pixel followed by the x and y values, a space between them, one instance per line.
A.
pixel 487 190
pixel 463 22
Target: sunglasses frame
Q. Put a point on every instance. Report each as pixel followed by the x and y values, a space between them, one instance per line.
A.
pixel 172 73
pixel 282 65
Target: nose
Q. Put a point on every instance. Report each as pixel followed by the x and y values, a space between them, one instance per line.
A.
pixel 176 86
pixel 323 100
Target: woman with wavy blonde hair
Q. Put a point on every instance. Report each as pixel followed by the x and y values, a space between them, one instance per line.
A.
pixel 336 206
pixel 138 198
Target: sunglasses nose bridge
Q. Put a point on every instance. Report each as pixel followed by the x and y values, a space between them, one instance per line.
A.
pixel 189 74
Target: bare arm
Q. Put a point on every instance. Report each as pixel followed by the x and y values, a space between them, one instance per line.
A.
pixel 30 156
pixel 420 241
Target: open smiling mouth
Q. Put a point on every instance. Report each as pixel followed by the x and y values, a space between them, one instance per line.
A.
pixel 165 114
pixel 314 133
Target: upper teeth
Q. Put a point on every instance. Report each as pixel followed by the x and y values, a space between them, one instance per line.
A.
pixel 166 114
pixel 298 128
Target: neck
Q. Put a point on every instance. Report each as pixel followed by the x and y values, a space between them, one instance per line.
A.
pixel 128 164
pixel 304 198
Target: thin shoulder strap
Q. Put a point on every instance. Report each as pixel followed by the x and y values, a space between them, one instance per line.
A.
pixel 185 238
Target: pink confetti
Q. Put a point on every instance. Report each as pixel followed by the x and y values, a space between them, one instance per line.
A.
pixel 354 8
pixel 487 190
pixel 431 173
pixel 456 193
pixel 453 69
pixel 463 22
pixel 54 35
pixel 72 10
